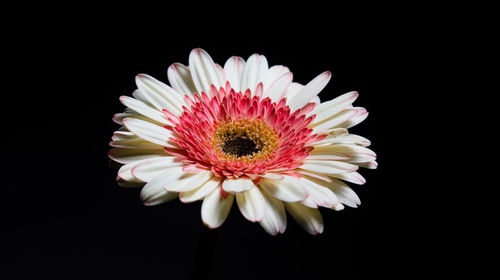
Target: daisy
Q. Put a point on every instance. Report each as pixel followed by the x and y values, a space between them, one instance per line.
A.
pixel 244 132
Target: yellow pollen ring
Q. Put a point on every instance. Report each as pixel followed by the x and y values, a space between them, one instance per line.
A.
pixel 264 137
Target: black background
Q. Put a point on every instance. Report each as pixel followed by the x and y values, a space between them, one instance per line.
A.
pixel 64 216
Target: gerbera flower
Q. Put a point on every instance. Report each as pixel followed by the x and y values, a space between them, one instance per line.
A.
pixel 241 132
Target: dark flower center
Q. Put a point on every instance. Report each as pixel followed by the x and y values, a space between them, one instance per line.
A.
pixel 244 140
pixel 239 146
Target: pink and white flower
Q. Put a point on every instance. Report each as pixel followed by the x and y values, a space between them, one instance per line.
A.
pixel 244 131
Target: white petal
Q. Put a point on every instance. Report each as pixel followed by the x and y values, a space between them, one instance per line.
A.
pixel 147 170
pixel 159 94
pixel 269 175
pixel 130 155
pixel 200 192
pixel 144 109
pixel 279 86
pixel 175 179
pixel 344 139
pixel 333 121
pixel 356 153
pixel 316 100
pixel 274 220
pixel 234 70
pixel 180 181
pixel 352 153
pixel 125 173
pixel 148 131
pixel 328 167
pixel 215 208
pixel 139 96
pixel 127 184
pixel 319 194
pixel 361 116
pixel 353 139
pixel 343 192
pixel 118 118
pixel 358 159
pixel 370 165
pixel 316 175
pixel 332 107
pixel 353 177
pixel 338 207
pixel 135 143
pixel 252 204
pixel 328 150
pixel 337 132
pixel 328 156
pixel 288 189
pixel 180 79
pixel 309 218
pixel 309 203
pixel 203 70
pixel 254 72
pixel 220 74
pixel 153 194
pixel 273 74
pixel 161 198
pixel 123 134
pixel 292 90
pixel 237 185
pixel 309 91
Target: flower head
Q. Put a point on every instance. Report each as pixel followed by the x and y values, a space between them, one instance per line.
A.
pixel 243 131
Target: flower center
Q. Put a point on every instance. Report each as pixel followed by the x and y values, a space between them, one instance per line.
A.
pixel 235 134
pixel 247 140
pixel 239 146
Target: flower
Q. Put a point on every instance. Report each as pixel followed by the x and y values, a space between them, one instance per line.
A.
pixel 244 131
